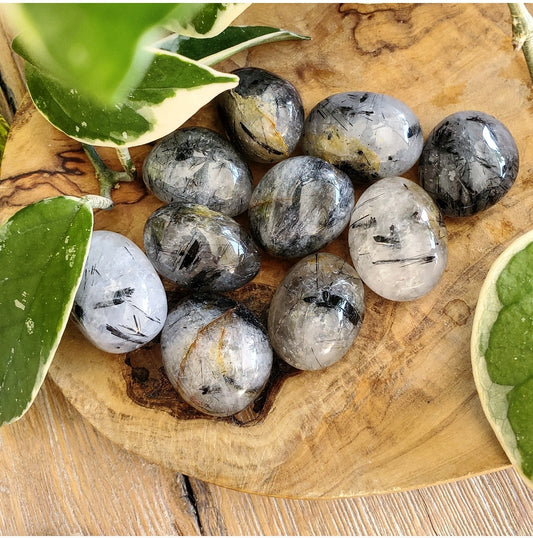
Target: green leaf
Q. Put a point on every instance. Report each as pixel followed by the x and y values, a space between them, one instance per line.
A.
pixel 102 49
pixel 43 248
pixel 172 90
pixel 502 352
pixel 228 42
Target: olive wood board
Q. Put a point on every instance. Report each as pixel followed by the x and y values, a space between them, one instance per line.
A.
pixel 400 410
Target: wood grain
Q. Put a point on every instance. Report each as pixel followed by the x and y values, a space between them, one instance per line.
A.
pixel 404 394
pixel 59 476
pixel 414 397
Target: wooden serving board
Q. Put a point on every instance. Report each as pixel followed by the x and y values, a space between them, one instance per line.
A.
pixel 401 409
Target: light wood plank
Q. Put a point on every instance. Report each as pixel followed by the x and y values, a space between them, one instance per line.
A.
pixel 58 476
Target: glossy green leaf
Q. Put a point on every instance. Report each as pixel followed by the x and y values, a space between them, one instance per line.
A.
pixel 172 90
pixel 43 248
pixel 228 42
pixel 103 49
pixel 502 352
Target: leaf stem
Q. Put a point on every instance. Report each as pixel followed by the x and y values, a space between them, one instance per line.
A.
pixel 107 178
pixel 522 28
pixel 127 162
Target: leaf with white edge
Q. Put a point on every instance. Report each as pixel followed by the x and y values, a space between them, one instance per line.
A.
pixel 230 41
pixel 103 49
pixel 43 248
pixel 203 20
pixel 501 328
pixel 172 90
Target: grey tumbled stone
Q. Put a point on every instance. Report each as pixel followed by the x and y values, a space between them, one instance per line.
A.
pixel 216 354
pixel 367 135
pixel 316 312
pixel 263 116
pixel 469 162
pixel 299 206
pixel 200 249
pixel 198 166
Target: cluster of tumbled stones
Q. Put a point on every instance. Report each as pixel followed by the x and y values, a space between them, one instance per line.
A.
pixel 215 352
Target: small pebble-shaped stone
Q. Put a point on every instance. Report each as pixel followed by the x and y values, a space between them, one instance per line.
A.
pixel 120 304
pixel 317 311
pixel 200 249
pixel 263 116
pixel 398 241
pixel 469 162
pixel 299 206
pixel 216 354
pixel 367 135
pixel 198 166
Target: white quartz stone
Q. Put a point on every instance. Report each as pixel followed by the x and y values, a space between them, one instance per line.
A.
pixel 398 241
pixel 120 304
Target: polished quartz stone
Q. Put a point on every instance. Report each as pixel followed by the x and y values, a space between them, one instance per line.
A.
pixel 367 135
pixel 198 166
pixel 216 354
pixel 469 162
pixel 200 249
pixel 398 240
pixel 299 206
pixel 120 304
pixel 316 312
pixel 263 116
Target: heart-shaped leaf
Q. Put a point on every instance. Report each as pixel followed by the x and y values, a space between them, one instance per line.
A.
pixel 43 248
pixel 502 352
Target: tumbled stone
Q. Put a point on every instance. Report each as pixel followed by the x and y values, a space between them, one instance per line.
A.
pixel 316 312
pixel 198 166
pixel 200 249
pixel 216 354
pixel 469 162
pixel 398 241
pixel 367 135
pixel 120 304
pixel 263 116
pixel 299 206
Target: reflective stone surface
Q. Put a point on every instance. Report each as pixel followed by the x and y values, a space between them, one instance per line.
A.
pixel 299 206
pixel 367 135
pixel 469 162
pixel 120 304
pixel 398 240
pixel 263 115
pixel 198 166
pixel 215 354
pixel 200 249
pixel 317 311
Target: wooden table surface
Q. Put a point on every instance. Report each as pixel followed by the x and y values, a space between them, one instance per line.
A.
pixel 59 476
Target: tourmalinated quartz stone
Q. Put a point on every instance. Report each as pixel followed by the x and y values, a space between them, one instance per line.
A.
pixel 469 162
pixel 398 240
pixel 299 206
pixel 200 249
pixel 263 115
pixel 216 354
pixel 367 135
pixel 198 166
pixel 120 304
pixel 317 311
